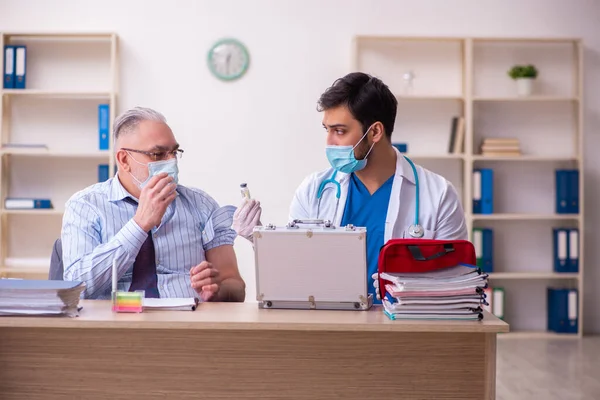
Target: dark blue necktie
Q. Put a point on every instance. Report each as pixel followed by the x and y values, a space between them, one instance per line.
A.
pixel 144 268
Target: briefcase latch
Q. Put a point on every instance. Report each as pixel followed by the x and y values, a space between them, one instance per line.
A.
pixel 311 300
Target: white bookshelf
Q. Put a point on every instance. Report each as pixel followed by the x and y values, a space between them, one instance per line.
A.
pixel 465 76
pixel 68 75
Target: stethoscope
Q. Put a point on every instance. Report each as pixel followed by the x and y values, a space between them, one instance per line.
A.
pixel 415 230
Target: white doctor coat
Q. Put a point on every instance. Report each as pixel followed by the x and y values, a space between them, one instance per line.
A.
pixel 440 211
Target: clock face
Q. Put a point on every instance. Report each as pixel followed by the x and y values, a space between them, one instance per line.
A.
pixel 228 59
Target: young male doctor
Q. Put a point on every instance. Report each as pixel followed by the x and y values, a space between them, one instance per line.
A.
pixel 369 183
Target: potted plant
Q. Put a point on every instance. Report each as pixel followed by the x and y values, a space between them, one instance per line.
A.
pixel 524 75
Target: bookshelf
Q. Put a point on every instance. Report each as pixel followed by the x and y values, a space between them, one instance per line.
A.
pixel 68 75
pixel 438 78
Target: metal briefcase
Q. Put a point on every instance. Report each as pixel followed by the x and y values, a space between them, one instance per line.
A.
pixel 311 265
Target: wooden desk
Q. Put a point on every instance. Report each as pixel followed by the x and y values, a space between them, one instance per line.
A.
pixel 236 351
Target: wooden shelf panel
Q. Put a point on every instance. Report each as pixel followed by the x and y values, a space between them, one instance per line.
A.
pixel 429 98
pixel 526 98
pixel 37 211
pixel 532 275
pixel 66 36
pixel 537 335
pixel 435 156
pixel 54 94
pixel 523 217
pixel 59 154
pixel 525 158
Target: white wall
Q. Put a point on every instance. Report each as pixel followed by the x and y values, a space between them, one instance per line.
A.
pixel 264 129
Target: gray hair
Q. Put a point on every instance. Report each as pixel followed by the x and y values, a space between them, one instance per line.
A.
pixel 129 120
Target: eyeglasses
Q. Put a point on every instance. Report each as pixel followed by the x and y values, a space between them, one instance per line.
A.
pixel 159 155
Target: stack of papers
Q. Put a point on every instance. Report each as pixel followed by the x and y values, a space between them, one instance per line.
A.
pixel 40 297
pixel 449 293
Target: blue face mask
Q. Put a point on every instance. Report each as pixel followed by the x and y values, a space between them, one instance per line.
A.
pixel 342 158
pixel 154 168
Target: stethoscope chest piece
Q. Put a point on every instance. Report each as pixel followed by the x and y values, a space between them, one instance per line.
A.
pixel 416 231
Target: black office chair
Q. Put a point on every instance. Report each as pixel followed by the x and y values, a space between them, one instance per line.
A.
pixel 56 265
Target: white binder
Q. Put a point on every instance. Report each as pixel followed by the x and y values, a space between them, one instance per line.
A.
pixel 311 265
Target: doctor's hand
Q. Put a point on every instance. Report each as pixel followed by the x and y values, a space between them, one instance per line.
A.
pixel 375 277
pixel 205 280
pixel 246 217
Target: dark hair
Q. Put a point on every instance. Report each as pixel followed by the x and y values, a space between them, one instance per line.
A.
pixel 368 99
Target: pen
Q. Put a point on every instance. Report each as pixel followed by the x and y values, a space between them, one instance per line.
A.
pixel 114 275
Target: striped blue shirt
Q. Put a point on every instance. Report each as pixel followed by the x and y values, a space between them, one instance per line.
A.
pixel 98 227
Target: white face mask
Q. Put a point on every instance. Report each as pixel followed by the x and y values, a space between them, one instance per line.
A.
pixel 156 167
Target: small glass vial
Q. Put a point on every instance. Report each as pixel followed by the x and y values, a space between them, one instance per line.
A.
pixel 245 191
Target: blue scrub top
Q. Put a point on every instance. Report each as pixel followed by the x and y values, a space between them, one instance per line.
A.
pixel 370 211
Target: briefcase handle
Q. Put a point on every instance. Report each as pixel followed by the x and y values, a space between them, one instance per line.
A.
pixel 325 222
pixel 417 255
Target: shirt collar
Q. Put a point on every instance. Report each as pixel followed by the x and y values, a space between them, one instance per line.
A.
pixel 117 191
pixel 403 167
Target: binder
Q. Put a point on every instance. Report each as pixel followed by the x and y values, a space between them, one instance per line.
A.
pixel 476 192
pixel 14 203
pixel 20 67
pixel 102 172
pixel 483 191
pixel 498 302
pixel 483 241
pixel 567 191
pixel 573 253
pixel 9 67
pixel 573 197
pixel 103 124
pixel 563 310
pixel 402 147
pixel 561 249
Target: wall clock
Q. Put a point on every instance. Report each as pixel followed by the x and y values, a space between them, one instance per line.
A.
pixel 228 59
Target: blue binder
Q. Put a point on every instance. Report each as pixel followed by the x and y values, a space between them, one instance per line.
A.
pixel 560 249
pixel 9 67
pixel 567 191
pixel 18 203
pixel 483 191
pixel 402 147
pixel 20 67
pixel 483 241
pixel 573 253
pixel 563 310
pixel 103 124
pixel 102 172
pixel 573 198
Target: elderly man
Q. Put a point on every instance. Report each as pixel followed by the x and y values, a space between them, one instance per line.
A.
pixel 167 239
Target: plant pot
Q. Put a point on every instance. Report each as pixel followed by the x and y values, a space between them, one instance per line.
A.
pixel 524 86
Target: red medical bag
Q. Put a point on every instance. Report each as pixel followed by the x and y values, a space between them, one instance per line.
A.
pixel 421 255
